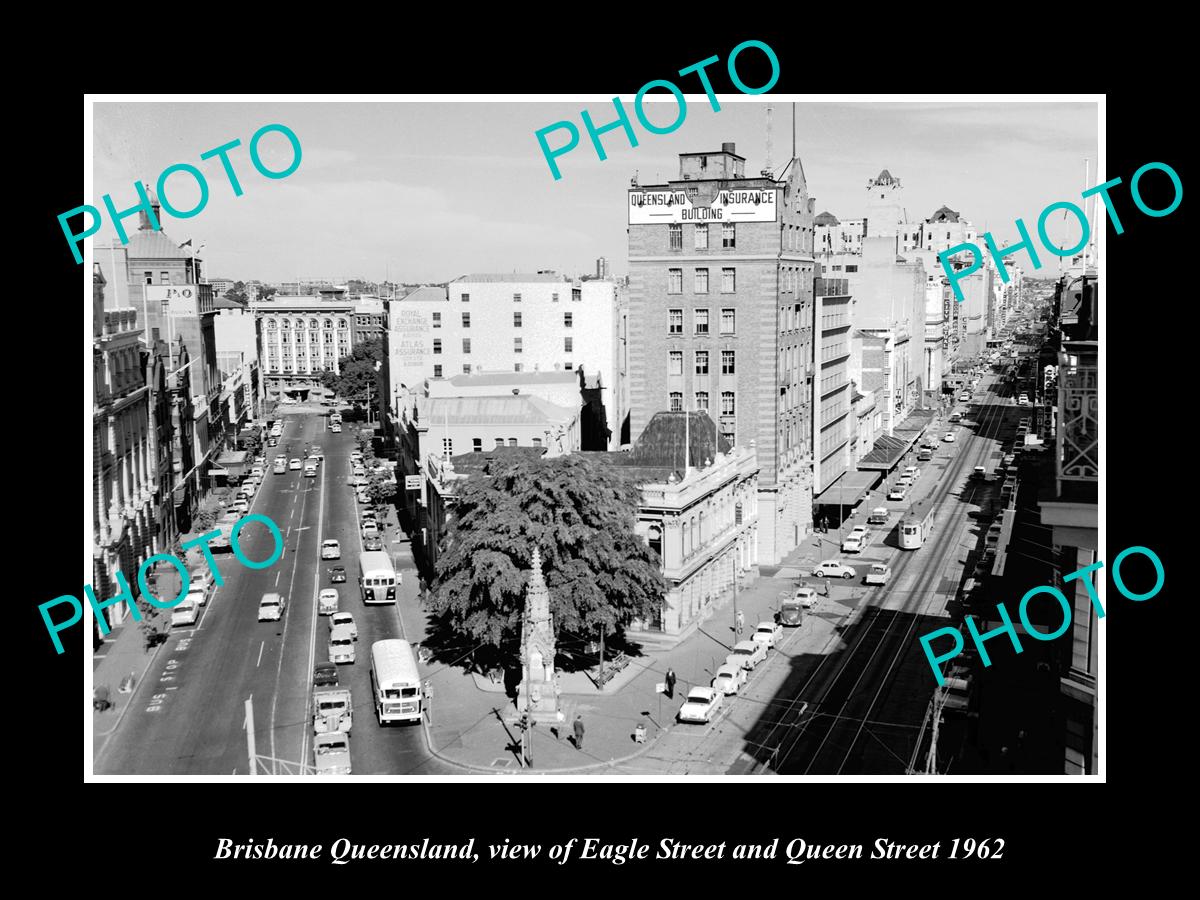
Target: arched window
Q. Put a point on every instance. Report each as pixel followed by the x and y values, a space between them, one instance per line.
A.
pixel 329 323
pixel 312 323
pixel 654 539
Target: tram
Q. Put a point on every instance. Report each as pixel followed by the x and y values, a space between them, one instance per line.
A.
pixel 916 525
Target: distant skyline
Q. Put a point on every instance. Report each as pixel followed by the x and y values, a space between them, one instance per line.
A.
pixel 426 192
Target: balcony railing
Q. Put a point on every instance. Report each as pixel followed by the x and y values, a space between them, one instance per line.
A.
pixel 1078 413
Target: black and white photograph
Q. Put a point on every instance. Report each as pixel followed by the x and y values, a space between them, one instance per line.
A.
pixel 682 436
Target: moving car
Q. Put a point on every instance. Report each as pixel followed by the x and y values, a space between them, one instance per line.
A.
pixel 701 705
pixel 806 597
pixel 955 417
pixel 280 465
pixel 344 620
pixel 325 673
pixel 310 469
pixel 271 607
pixel 831 568
pixel 331 752
pixel 897 492
pixel 185 613
pixel 878 574
pixel 924 455
pixel 1023 400
pixel 729 679
pixel 948 437
pixel 341 645
pixel 769 633
pixel 327 601
pixel 747 654
pixel 331 549
pixel 979 472
pixel 294 465
pixel 337 574
pixel 336 427
pixel 964 397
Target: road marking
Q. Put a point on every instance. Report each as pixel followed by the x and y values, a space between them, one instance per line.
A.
pixel 312 635
pixel 261 644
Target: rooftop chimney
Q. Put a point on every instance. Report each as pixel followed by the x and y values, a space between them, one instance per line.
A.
pixel 728 148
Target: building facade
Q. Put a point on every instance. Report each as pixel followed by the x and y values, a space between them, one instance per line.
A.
pixel 833 406
pixel 721 320
pixel 299 338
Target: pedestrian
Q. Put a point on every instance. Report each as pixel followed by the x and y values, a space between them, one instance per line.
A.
pixel 741 622
pixel 826 587
pixel 578 732
pixel 670 682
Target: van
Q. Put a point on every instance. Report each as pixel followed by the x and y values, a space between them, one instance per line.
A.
pixel 924 455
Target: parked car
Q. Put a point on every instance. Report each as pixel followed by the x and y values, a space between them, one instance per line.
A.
pixel 853 543
pixel 325 673
pixel 370 528
pixel 375 542
pixel 948 437
pixel 344 620
pixel 955 417
pixel 331 549
pixel 240 505
pixel 1008 460
pixel 878 516
pixel 897 492
pixel 701 705
pixel 327 601
pixel 271 607
pixel 199 596
pixel 878 574
pixel 246 490
pixel 185 613
pixel 913 471
pixel 769 633
pixel 1023 400
pixel 729 679
pixel 806 597
pixel 831 568
pixel 337 574
pixel 747 654
pixel 199 580
pixel 979 472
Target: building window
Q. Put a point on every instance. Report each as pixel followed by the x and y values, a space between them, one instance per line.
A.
pixel 675 360
pixel 164 277
pixel 568 319
pixel 727 406
pixel 674 281
pixel 702 281
pixel 466 345
pixel 437 371
pixel 499 442
pixel 512 442
pixel 517 345
pixel 537 442
pixel 676 235
pixel 701 320
pixel 728 281
pixel 569 366
pixel 466 320
pixel 437 346
pixel 568 345
pixel 149 277
pixel 701 237
pixel 727 366
pixel 476 445
pixel 516 298
pixel 728 235
pixel 516 320
pixel 850 268
pixel 437 320
pixel 675 318
pixel 702 400
pixel 728 321
pixel 447 446
pixel 466 370
pixel 517 367
pixel 576 295
pixel 554 297
pixel 676 401
pixel 466 298
pixel 701 362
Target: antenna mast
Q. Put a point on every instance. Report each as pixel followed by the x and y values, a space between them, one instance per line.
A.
pixel 767 168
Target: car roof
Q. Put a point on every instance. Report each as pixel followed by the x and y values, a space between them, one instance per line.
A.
pixel 702 689
pixel 728 669
pixel 770 626
pixel 745 645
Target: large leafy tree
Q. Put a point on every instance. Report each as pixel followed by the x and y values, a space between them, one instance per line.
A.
pixel 357 371
pixel 580 514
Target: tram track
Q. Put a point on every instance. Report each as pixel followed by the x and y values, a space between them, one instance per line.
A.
pixel 828 730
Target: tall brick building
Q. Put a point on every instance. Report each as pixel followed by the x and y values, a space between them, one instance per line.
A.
pixel 721 320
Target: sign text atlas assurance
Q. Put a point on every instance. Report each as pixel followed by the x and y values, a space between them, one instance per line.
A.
pixel 675 207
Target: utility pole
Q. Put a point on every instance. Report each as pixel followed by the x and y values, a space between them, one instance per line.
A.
pixel 601 657
pixel 735 586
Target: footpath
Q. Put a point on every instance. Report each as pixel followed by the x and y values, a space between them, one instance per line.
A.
pixel 470 721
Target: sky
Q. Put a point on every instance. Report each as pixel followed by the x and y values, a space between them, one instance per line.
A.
pixel 423 192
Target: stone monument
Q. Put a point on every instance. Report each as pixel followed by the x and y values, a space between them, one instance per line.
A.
pixel 538 691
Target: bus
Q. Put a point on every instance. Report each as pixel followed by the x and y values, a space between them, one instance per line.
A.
pixel 377 577
pixel 916 525
pixel 395 682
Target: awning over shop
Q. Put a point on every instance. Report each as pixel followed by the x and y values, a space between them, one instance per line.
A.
pixel 848 489
pixel 885 454
pixel 230 463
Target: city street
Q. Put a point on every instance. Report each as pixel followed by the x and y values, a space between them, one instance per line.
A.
pixel 187 715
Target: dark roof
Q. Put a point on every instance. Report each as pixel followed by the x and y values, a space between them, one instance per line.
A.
pixel 945 214
pixel 885 177
pixel 225 302
pixel 886 453
pixel 826 218
pixel 474 463
pixel 659 450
